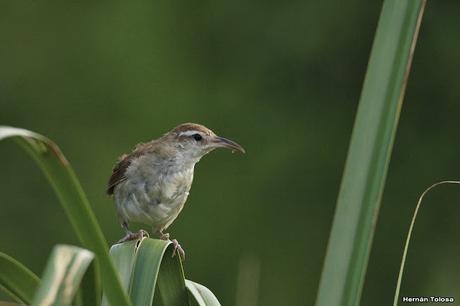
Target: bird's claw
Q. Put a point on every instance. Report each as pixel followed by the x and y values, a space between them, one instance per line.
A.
pixel 164 236
pixel 178 249
pixel 176 246
pixel 134 236
pixel 144 233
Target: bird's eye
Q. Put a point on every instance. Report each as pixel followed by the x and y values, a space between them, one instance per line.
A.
pixel 197 137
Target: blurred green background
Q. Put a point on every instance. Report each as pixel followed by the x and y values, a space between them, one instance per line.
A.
pixel 281 78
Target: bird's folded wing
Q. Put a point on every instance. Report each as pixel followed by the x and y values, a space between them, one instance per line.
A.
pixel 119 171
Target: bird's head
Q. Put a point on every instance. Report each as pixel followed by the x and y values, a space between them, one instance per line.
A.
pixel 194 141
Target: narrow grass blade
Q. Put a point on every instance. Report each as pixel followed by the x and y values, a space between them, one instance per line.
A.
pixel 10 304
pixel 63 274
pixel 369 153
pixel 409 235
pixel 72 198
pixel 17 279
pixel 200 295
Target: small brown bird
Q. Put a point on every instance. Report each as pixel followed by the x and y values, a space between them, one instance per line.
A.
pixel 151 184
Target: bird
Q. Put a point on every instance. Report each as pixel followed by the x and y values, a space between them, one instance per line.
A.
pixel 151 184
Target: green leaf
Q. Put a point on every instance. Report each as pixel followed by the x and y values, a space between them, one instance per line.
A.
pixel 90 289
pixel 145 272
pixel 123 256
pixel 369 153
pixel 150 273
pixel 171 281
pixel 63 274
pixel 17 280
pixel 154 265
pixel 200 295
pixel 72 198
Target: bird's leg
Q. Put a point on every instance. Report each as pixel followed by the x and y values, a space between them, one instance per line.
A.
pixel 130 235
pixel 144 233
pixel 176 245
pixel 164 236
pixel 178 249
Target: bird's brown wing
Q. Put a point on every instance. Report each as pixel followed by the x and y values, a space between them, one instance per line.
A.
pixel 119 171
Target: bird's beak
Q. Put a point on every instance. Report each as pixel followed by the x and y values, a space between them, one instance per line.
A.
pixel 221 142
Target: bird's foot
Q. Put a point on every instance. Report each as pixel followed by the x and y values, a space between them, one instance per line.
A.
pixel 144 233
pixel 164 236
pixel 134 236
pixel 178 249
pixel 176 246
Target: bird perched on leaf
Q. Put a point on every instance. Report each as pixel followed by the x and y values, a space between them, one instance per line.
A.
pixel 151 184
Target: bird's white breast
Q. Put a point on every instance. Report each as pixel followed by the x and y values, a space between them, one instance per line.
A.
pixel 153 193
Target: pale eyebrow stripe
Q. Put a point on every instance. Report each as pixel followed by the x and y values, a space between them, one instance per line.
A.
pixel 189 133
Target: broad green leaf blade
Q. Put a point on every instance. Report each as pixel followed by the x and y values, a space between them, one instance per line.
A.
pixel 72 198
pixel 200 295
pixel 409 235
pixel 10 304
pixel 150 273
pixel 155 265
pixel 17 279
pixel 369 154
pixel 123 256
pixel 171 281
pixel 145 271
pixel 63 274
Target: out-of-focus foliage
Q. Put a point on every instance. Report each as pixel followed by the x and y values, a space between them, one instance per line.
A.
pixel 63 274
pixel 283 79
pixel 17 280
pixel 409 236
pixel 371 146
